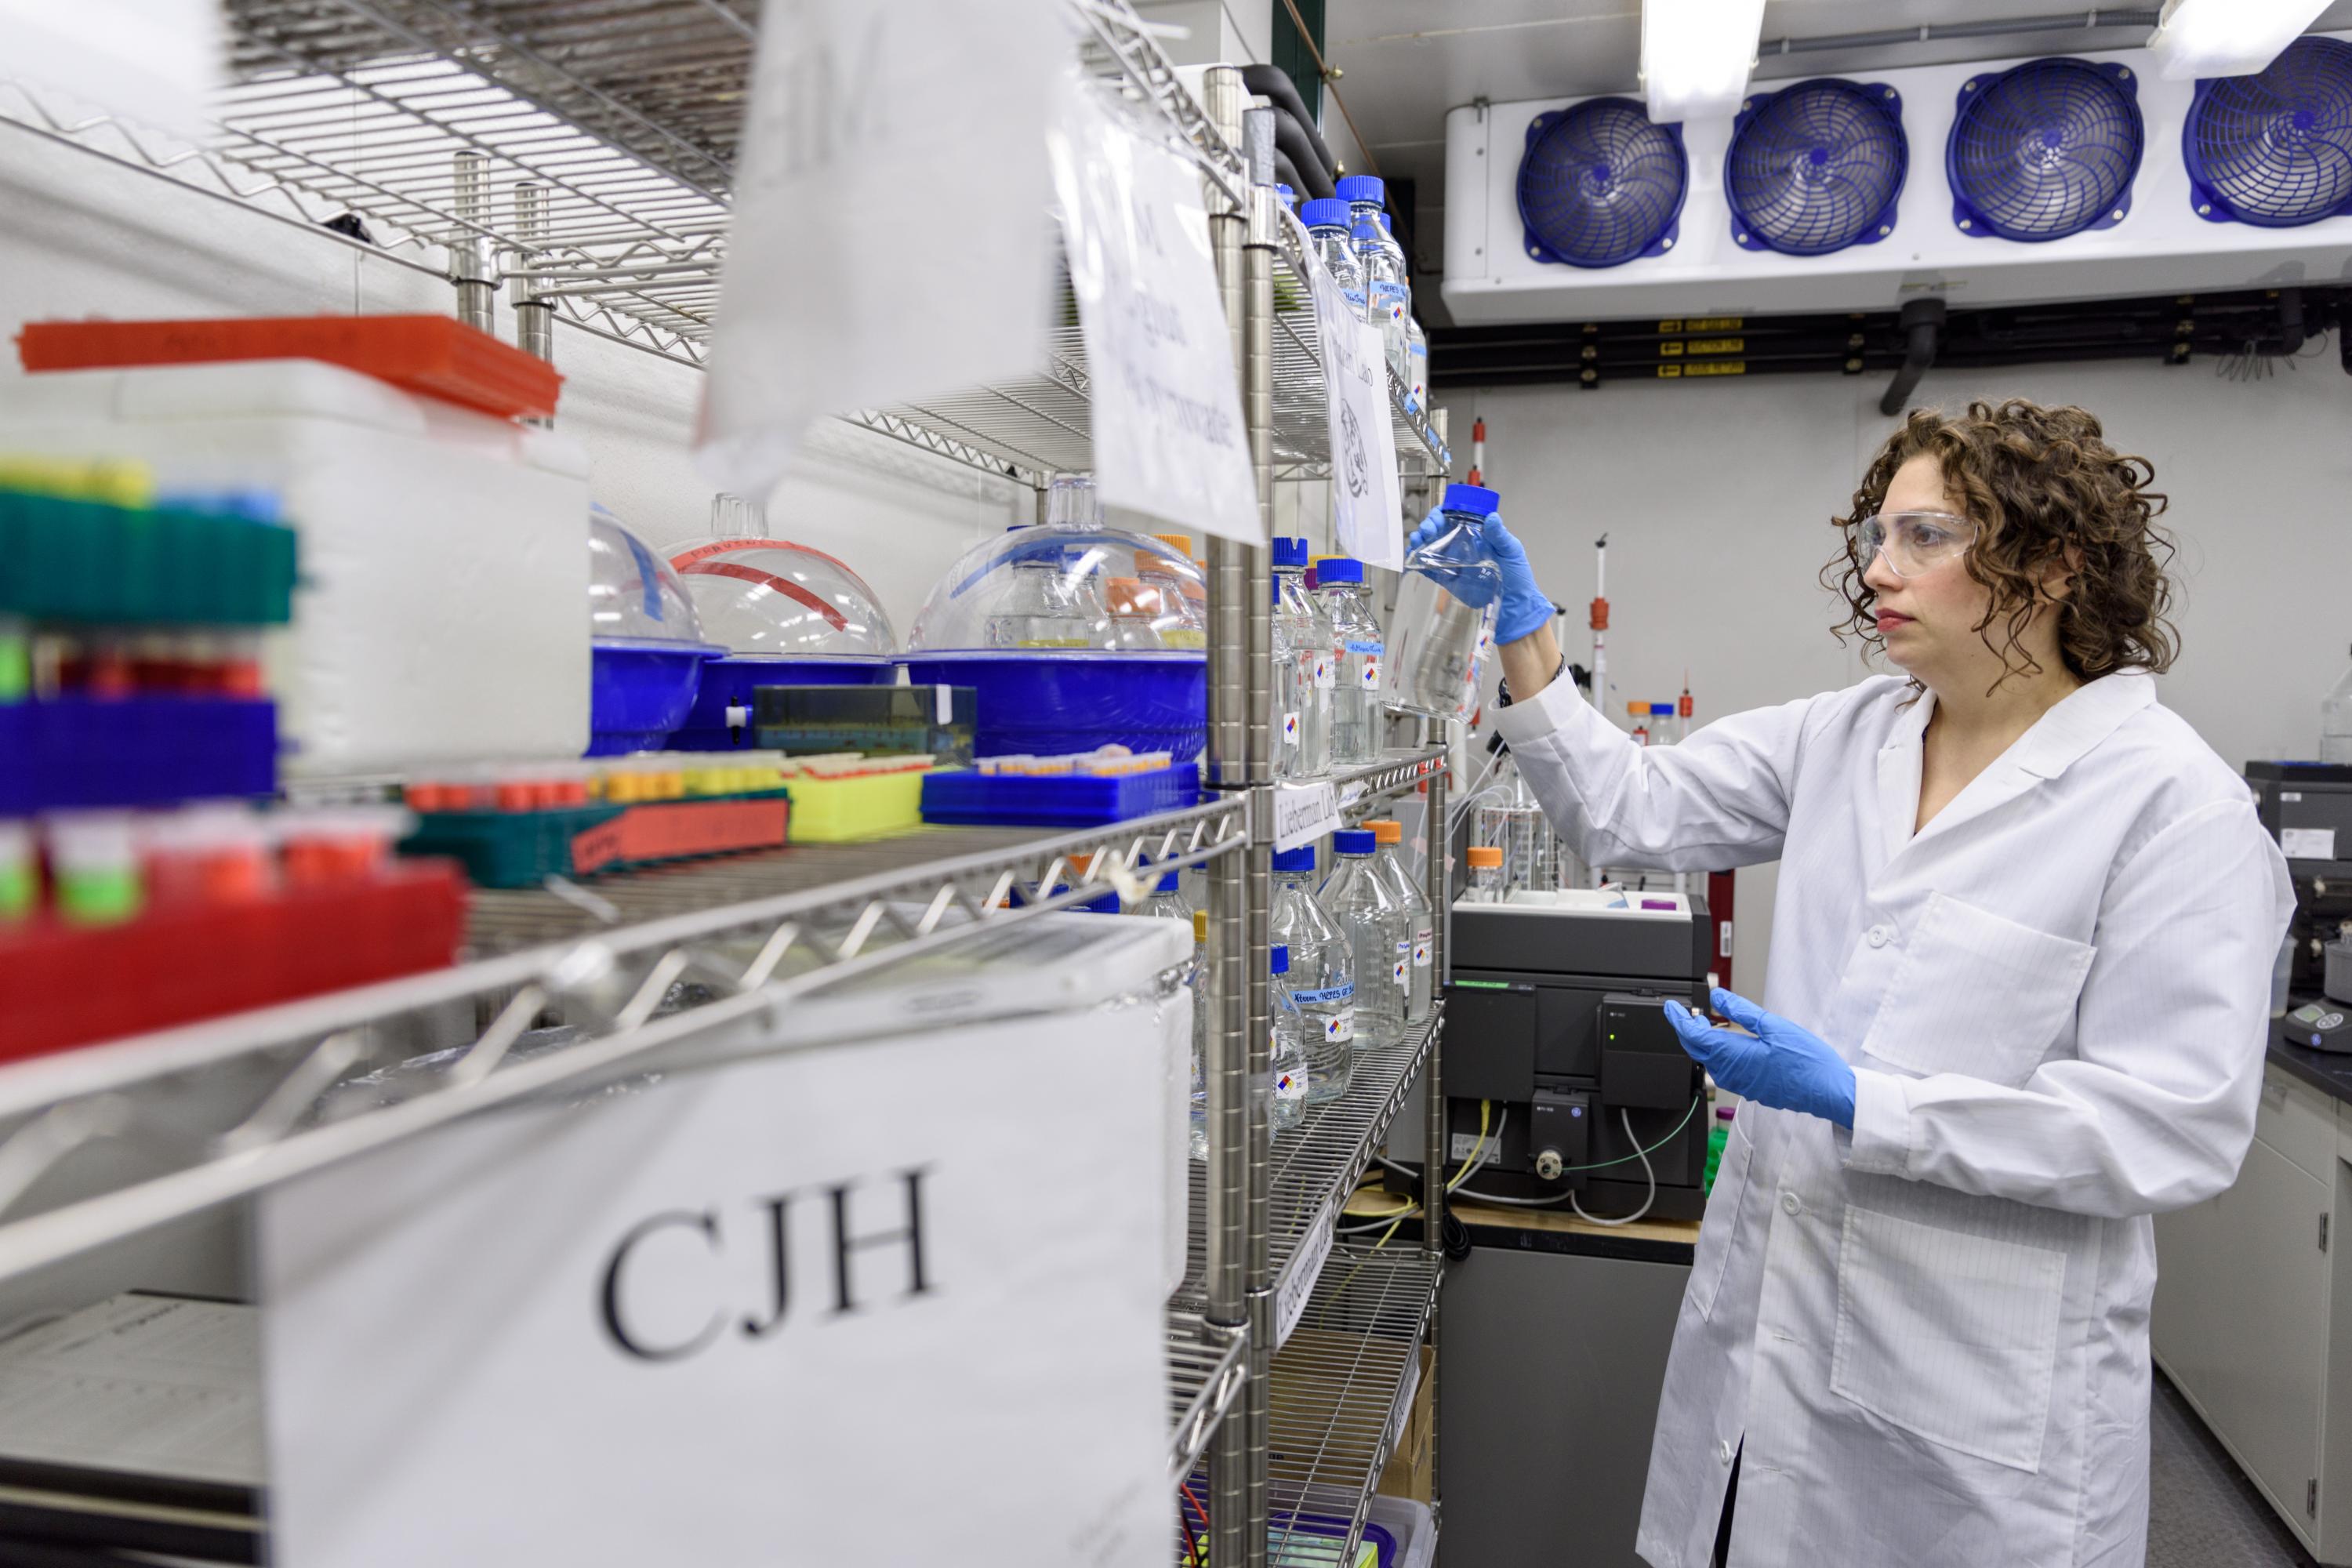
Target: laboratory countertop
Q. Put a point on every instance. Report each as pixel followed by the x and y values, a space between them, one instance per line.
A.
pixel 2330 1072
pixel 1541 1230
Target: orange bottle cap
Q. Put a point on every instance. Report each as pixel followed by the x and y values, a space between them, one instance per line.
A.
pixel 1485 858
pixel 1387 831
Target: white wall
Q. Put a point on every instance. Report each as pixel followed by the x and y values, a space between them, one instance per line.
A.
pixel 85 236
pixel 1717 500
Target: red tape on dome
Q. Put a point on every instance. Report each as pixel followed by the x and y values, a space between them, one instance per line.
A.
pixel 785 585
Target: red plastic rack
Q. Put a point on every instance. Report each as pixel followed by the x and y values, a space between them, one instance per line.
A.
pixel 64 985
pixel 433 357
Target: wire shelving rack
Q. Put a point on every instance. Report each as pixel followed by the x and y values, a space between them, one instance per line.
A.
pixel 578 154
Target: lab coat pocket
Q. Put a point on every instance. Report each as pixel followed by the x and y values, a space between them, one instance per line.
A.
pixel 1721 1227
pixel 1977 994
pixel 1951 1335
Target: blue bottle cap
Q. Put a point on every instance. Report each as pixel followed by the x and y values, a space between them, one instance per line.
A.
pixel 1388 224
pixel 1339 569
pixel 1474 498
pixel 1661 710
pixel 1364 231
pixel 1170 882
pixel 1353 841
pixel 1363 188
pixel 1281 955
pixel 1290 197
pixel 1301 859
pixel 1325 213
pixel 1288 550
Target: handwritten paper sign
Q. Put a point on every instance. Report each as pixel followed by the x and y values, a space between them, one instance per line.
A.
pixel 883 244
pixel 1364 502
pixel 1165 406
pixel 1299 1281
pixel 814 1307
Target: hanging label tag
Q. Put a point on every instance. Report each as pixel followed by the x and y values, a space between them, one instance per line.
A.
pixel 1297 1281
pixel 1304 813
pixel 877 140
pixel 1164 405
pixel 1364 504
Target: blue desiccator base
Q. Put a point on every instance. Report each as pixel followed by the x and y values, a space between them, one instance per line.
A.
pixel 729 680
pixel 69 752
pixel 1053 703
pixel 1058 800
pixel 638 692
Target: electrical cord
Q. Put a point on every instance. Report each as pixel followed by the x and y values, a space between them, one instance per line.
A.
pixel 1639 1154
pixel 1482 1154
pixel 1646 1170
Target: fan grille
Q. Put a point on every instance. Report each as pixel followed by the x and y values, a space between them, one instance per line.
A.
pixel 2044 149
pixel 1602 183
pixel 2275 149
pixel 1815 166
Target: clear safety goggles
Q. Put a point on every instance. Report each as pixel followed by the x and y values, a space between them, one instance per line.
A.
pixel 1913 542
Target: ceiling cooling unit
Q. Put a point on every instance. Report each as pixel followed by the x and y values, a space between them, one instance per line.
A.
pixel 1601 186
pixel 2274 149
pixel 2038 158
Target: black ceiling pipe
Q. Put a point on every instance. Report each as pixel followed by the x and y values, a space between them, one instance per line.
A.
pixel 1922 321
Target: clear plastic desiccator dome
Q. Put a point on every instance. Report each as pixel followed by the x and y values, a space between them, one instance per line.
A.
pixel 645 644
pixel 786 616
pixel 770 597
pixel 1065 631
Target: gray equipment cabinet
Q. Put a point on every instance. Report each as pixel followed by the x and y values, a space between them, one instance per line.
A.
pixel 2253 1302
pixel 578 162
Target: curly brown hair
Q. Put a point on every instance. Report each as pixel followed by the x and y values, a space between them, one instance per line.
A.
pixel 2036 481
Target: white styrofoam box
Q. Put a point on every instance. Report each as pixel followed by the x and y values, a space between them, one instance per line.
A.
pixel 440 613
pixel 2161 246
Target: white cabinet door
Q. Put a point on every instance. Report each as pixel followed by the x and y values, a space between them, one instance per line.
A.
pixel 2240 1320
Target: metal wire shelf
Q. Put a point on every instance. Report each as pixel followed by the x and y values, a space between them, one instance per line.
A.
pixel 106 1141
pixel 1318 1163
pixel 582 151
pixel 1206 1372
pixel 1341 1390
pixel 1339 1394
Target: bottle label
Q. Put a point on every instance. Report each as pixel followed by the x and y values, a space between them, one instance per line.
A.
pixel 1402 970
pixel 1421 945
pixel 1290 728
pixel 1325 672
pixel 1328 994
pixel 1290 1087
pixel 1392 301
pixel 1368 668
pixel 1340 1027
pixel 1355 298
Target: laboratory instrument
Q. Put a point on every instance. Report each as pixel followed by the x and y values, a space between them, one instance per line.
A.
pixel 1555 1032
pixel 2336 723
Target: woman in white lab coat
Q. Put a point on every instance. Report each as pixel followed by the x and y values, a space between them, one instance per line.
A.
pixel 2016 1005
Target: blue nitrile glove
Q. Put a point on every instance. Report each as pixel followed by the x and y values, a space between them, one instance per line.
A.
pixel 1782 1065
pixel 1525 608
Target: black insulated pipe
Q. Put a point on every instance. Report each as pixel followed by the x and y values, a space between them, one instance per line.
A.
pixel 1274 84
pixel 1922 321
pixel 2290 321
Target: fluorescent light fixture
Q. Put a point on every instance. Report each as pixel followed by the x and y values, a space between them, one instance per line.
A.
pixel 2224 38
pixel 1695 56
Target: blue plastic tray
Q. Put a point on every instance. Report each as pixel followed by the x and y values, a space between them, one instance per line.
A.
pixel 135 750
pixel 638 692
pixel 728 681
pixel 1313 1538
pixel 1065 800
pixel 1049 704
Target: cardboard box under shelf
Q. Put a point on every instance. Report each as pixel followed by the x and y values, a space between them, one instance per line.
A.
pixel 1411 1466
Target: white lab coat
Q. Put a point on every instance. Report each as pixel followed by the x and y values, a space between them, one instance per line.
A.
pixel 1931 1332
